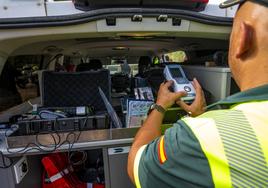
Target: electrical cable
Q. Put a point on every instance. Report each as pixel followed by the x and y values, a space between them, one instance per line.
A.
pixel 82 128
pixel 57 143
pixel 51 134
pixel 80 162
pixel 37 145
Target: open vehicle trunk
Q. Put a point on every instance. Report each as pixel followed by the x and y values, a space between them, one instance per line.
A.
pixel 111 31
pixel 113 36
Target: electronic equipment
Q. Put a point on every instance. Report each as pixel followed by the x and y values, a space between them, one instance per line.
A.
pixel 175 73
pixel 39 126
pixel 67 111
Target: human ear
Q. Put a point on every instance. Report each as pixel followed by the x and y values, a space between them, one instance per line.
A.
pixel 244 40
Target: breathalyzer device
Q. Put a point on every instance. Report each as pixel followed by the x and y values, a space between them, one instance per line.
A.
pixel 175 73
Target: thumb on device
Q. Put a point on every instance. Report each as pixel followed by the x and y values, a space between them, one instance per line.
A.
pixel 199 104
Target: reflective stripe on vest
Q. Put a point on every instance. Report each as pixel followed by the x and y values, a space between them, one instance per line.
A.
pixel 235 143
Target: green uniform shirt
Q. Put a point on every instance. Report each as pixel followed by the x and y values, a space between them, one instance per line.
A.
pixel 176 159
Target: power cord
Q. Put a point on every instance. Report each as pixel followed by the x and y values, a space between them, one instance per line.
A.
pixel 38 146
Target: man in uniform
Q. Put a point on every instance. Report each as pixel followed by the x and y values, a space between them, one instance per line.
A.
pixel 220 148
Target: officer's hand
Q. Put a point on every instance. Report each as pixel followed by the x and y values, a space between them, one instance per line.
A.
pixel 198 107
pixel 165 97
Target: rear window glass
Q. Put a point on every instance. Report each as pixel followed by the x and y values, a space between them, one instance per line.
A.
pixel 178 56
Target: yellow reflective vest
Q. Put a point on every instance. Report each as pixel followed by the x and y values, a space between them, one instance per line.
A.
pixel 235 142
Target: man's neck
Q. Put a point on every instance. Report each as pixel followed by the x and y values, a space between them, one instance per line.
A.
pixel 253 73
pixel 253 84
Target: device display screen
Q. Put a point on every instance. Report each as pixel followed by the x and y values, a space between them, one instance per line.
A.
pixel 176 73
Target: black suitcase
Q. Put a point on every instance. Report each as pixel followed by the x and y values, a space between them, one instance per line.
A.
pixel 61 89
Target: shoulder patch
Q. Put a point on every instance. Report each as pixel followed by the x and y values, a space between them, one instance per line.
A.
pixel 162 156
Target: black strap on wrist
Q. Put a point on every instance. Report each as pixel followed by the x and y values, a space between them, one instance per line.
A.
pixel 157 107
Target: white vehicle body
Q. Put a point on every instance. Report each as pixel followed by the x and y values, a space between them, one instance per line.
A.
pixel 41 8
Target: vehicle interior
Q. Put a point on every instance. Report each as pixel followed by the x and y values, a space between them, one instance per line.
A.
pixel 78 45
pixel 117 45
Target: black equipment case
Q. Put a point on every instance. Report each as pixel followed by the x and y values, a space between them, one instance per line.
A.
pixel 61 89
pixel 41 126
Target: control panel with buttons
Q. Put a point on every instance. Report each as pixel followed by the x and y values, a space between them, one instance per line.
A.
pixel 175 73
